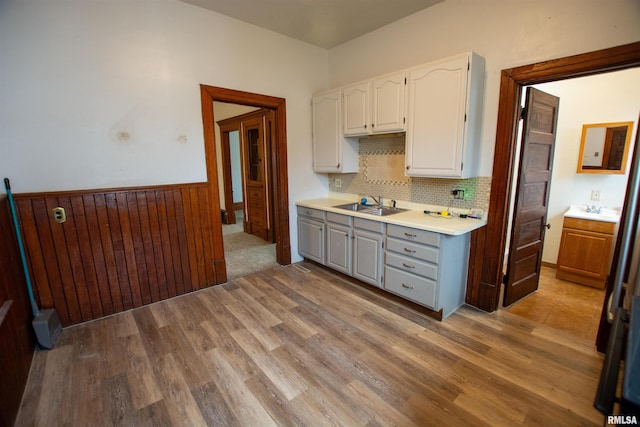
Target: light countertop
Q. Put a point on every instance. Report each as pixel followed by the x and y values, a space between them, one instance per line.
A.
pixel 605 215
pixel 413 217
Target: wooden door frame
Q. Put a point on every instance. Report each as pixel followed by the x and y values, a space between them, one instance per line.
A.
pixel 485 290
pixel 226 171
pixel 208 94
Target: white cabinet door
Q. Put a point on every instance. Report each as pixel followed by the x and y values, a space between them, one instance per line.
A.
pixel 444 97
pixel 331 151
pixel 388 103
pixel 339 247
pixel 355 106
pixel 311 239
pixel 367 257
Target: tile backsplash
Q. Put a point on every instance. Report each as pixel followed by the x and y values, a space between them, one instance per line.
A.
pixel 381 173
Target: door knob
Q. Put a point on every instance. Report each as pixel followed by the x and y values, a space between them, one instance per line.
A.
pixel 548 226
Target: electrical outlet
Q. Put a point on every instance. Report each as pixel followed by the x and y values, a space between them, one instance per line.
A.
pixel 458 194
pixel 337 183
pixel 59 215
pixel 595 195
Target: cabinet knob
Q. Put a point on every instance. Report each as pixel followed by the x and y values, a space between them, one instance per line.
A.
pixel 407 265
pixel 338 165
pixel 407 286
pixel 409 235
pixel 408 167
pixel 365 126
pixel 411 251
pixel 548 226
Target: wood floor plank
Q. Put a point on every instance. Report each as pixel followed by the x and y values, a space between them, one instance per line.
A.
pixel 55 385
pixel 286 380
pixel 142 383
pixel 178 399
pixel 295 348
pixel 213 407
pixel 380 411
pixel 238 396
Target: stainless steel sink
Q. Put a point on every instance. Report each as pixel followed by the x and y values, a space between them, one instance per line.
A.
pixel 373 210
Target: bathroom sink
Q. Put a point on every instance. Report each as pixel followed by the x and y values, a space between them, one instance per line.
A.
pixel 373 210
pixel 600 214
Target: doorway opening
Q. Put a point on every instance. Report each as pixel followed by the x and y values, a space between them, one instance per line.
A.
pixel 243 139
pixel 275 155
pixel 574 305
pixel 486 276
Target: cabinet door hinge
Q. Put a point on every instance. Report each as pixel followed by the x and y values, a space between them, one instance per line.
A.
pixel 405 81
pixel 382 245
pixel 461 166
pixel 404 120
pixel 465 117
pixel 468 65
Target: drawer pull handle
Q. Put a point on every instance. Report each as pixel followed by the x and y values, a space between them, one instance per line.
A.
pixel 407 265
pixel 411 251
pixel 409 234
pixel 407 286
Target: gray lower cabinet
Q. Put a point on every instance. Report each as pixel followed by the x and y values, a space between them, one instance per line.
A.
pixel 368 240
pixel 339 242
pixel 427 268
pixel 311 234
pixel 422 266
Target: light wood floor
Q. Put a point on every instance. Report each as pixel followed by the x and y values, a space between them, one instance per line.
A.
pixel 563 305
pixel 289 347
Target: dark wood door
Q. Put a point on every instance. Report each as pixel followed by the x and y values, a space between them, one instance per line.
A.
pixel 255 176
pixel 613 152
pixel 529 221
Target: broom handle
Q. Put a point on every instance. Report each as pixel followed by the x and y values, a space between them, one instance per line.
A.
pixel 34 306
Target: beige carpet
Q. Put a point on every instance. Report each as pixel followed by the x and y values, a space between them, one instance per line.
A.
pixel 245 253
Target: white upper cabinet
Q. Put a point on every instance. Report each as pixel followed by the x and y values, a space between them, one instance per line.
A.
pixel 387 108
pixel 355 104
pixel 445 101
pixel 331 151
pixel 376 106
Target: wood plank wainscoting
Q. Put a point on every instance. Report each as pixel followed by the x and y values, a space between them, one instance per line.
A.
pixel 119 248
pixel 17 340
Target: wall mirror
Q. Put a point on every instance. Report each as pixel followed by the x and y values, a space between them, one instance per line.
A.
pixel 605 147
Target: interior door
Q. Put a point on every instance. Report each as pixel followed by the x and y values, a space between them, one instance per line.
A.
pixel 529 221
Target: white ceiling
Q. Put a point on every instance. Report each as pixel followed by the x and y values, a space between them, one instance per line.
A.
pixel 324 23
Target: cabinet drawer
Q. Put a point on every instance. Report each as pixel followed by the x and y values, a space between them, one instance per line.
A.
pixel 414 235
pixel 410 286
pixel 413 250
pixel 411 265
pixel 311 213
pixel 255 203
pixel 367 224
pixel 258 220
pixel 339 218
pixel 255 193
pixel 590 225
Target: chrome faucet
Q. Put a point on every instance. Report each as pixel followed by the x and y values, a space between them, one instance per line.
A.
pixel 379 201
pixel 594 209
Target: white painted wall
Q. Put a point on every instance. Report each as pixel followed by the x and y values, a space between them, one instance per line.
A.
pixel 506 33
pixel 612 97
pixel 105 93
